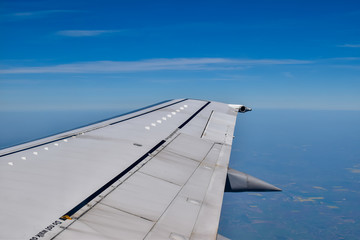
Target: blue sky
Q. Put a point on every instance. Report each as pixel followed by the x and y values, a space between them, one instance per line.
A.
pixel 127 54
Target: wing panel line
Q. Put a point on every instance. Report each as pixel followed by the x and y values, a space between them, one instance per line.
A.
pixel 207 123
pixel 108 184
pixel 187 121
pixel 100 190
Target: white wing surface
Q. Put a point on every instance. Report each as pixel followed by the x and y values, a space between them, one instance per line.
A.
pixel 157 173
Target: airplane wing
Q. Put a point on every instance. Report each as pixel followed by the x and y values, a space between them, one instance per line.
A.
pixel 156 173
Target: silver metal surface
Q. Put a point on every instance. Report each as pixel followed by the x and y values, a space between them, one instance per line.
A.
pixel 158 174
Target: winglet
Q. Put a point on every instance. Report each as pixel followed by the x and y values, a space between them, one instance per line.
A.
pixel 241 182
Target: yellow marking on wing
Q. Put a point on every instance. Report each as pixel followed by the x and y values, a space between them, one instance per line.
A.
pixel 66 217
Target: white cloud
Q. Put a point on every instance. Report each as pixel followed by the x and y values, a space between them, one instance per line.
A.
pixel 350 45
pixel 84 33
pixel 34 14
pixel 153 65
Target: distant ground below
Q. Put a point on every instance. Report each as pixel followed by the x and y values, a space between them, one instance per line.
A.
pixel 314 156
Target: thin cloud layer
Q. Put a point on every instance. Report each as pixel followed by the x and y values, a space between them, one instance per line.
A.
pixel 84 33
pixel 351 45
pixel 153 65
pixel 35 14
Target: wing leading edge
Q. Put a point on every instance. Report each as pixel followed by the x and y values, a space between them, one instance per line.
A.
pixel 158 173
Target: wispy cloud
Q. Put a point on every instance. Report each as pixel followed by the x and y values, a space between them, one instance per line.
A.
pixel 35 14
pixel 153 65
pixel 346 58
pixel 350 45
pixel 86 33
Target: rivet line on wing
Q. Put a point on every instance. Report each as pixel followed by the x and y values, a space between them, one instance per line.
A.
pixel 36 153
pixel 164 118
